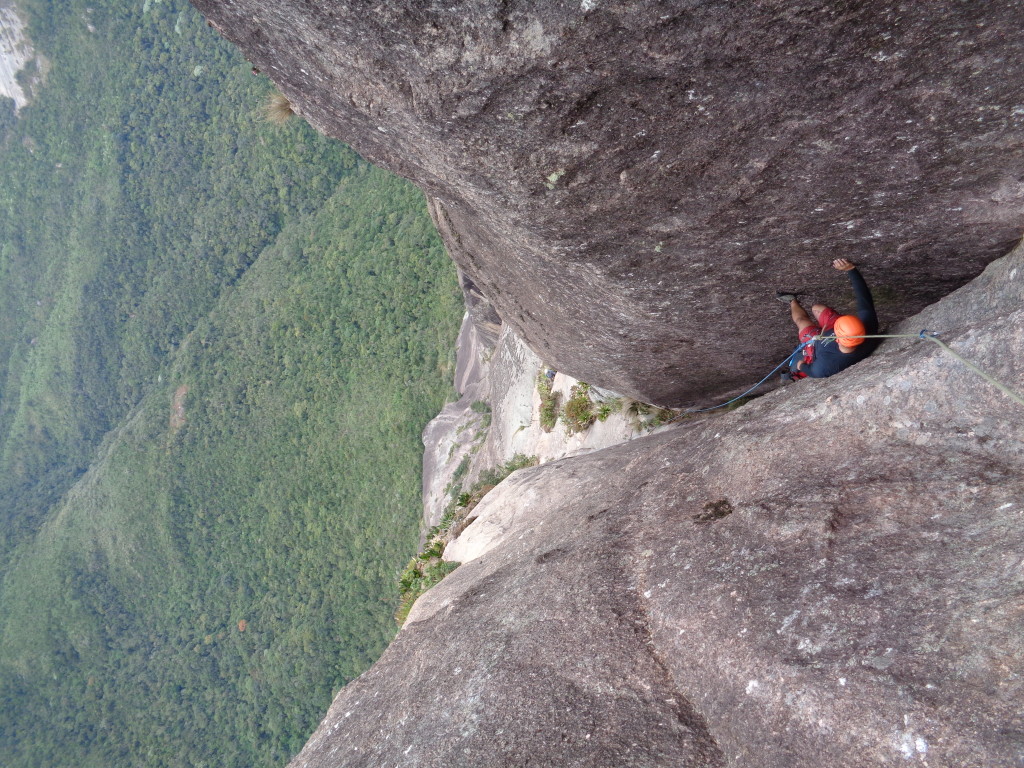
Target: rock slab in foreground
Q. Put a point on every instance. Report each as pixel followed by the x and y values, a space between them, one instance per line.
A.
pixel 830 576
pixel 628 183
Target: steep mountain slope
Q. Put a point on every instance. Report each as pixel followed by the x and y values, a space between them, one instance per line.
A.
pixel 138 187
pixel 219 341
pixel 229 560
pixel 629 182
pixel 830 575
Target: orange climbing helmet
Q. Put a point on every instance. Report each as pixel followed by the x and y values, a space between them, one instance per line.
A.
pixel 849 330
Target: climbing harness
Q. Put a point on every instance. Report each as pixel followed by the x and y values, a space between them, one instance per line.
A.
pixel 924 334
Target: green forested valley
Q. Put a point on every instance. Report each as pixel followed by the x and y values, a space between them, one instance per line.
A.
pixel 219 341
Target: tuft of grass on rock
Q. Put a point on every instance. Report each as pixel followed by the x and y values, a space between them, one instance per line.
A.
pixel 482 408
pixel 645 417
pixel 423 571
pixel 549 402
pixel 277 109
pixel 607 407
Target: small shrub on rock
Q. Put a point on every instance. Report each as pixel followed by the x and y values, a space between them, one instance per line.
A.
pixel 645 416
pixel 578 413
pixel 422 572
pixel 607 408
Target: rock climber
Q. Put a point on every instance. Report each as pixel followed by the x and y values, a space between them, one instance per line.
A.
pixel 824 357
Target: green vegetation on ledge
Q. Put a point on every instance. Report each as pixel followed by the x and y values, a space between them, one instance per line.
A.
pixel 427 568
pixel 578 412
pixel 549 402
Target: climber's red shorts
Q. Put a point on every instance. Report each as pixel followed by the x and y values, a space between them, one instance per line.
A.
pixel 828 320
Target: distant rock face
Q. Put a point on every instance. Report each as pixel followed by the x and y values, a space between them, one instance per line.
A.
pixel 461 443
pixel 628 183
pixel 15 53
pixel 453 437
pixel 828 576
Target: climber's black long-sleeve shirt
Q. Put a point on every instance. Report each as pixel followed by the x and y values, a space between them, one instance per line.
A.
pixel 828 359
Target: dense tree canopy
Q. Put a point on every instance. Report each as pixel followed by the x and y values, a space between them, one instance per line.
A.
pixel 219 342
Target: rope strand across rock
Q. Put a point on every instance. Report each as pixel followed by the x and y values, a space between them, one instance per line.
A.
pixel 924 334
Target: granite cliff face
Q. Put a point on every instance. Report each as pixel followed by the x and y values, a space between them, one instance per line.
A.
pixel 828 576
pixel 628 183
